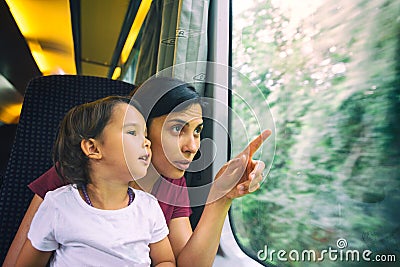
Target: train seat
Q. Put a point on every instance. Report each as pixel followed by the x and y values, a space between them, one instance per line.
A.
pixel 46 101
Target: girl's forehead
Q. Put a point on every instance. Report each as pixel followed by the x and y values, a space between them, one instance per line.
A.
pixel 124 113
pixel 133 113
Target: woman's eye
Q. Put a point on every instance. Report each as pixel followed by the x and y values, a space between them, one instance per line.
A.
pixel 198 130
pixel 176 128
pixel 132 132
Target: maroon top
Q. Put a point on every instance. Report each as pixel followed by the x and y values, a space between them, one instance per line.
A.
pixel 172 194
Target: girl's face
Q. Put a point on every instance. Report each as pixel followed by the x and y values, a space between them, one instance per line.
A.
pixel 124 143
pixel 175 140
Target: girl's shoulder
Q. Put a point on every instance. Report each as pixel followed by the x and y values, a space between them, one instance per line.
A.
pixel 143 196
pixel 63 191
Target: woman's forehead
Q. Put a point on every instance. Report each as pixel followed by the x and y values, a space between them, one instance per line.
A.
pixel 192 112
pixel 190 116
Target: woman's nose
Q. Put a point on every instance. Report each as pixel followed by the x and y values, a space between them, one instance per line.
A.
pixel 190 145
pixel 147 143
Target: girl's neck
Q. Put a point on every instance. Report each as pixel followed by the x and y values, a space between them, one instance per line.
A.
pixel 106 197
pixel 147 182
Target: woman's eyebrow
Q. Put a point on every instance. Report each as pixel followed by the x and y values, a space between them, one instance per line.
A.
pixel 185 123
pixel 178 121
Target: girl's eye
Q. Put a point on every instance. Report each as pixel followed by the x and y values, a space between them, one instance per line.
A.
pixel 132 132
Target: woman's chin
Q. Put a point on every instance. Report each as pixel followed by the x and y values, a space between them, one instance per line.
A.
pixel 176 174
pixel 173 174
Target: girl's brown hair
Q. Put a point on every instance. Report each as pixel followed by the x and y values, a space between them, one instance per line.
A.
pixel 82 123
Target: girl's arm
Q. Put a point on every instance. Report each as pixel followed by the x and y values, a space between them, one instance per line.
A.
pixel 31 257
pixel 22 233
pixel 161 254
pixel 200 247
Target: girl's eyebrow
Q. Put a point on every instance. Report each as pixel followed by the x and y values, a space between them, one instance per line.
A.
pixel 130 124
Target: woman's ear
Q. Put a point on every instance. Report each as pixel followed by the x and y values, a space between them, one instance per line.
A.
pixel 91 148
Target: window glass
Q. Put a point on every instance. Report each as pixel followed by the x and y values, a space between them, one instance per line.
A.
pixel 330 73
pixel 129 74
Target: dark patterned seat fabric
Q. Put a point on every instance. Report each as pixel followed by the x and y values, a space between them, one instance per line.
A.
pixel 46 101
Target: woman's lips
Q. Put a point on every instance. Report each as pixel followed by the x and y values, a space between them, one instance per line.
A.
pixel 182 164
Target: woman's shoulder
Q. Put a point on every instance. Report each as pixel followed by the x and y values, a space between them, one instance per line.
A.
pixel 46 182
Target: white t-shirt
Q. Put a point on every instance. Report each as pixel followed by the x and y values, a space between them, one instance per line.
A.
pixel 82 235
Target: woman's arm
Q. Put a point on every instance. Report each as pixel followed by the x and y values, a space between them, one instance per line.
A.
pixel 161 254
pixel 31 257
pixel 200 247
pixel 22 233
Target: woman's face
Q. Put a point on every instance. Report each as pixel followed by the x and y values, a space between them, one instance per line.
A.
pixel 175 140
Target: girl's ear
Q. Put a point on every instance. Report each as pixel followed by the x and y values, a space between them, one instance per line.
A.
pixel 91 148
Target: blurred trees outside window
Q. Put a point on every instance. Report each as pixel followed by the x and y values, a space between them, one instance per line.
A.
pixel 330 73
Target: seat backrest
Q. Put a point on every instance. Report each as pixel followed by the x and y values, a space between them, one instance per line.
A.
pixel 46 101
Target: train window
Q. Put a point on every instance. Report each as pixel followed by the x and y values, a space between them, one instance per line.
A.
pixel 330 73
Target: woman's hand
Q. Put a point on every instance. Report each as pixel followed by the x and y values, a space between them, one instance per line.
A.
pixel 241 175
pixel 236 178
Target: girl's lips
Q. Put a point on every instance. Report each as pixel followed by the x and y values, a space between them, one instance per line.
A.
pixel 145 159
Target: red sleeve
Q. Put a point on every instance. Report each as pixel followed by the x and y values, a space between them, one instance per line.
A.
pixel 183 210
pixel 173 197
pixel 46 182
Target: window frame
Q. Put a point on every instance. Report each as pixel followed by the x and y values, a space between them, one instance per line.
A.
pixel 220 52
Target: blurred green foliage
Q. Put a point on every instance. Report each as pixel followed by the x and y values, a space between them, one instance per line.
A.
pixel 332 82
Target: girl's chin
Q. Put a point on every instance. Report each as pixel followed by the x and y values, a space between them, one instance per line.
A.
pixel 137 175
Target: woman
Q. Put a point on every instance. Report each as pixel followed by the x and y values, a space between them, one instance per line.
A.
pixel 175 137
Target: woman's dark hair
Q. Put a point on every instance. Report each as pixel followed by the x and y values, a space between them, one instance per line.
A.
pixel 162 95
pixel 81 123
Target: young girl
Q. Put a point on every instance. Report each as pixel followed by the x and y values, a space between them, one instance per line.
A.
pixel 98 220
